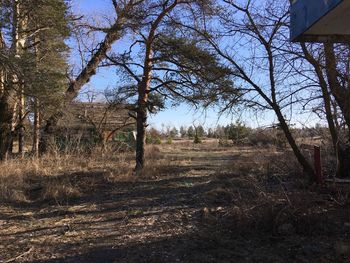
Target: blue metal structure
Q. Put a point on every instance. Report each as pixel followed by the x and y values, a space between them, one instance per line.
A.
pixel 318 20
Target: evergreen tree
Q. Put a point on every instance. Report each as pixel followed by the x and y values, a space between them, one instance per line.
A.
pixel 34 34
pixel 166 61
pixel 237 131
pixel 200 131
pixel 48 79
pixel 190 132
pixel 174 132
pixel 183 132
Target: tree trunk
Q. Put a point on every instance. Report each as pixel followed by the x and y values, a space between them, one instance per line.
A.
pixel 342 150
pixel 341 94
pixel 21 113
pixel 14 125
pixel 36 128
pixel 2 68
pixel 343 165
pixel 342 154
pixel 300 157
pixel 342 97
pixel 9 97
pixel 141 118
pixel 143 91
pixel 141 124
pixel 2 80
pixel 47 140
pixel 7 106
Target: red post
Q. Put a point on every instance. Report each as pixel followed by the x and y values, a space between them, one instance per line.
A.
pixel 318 165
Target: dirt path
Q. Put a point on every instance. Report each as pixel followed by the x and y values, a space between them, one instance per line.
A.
pixel 187 214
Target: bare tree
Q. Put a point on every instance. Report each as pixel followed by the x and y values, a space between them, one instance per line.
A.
pixel 338 80
pixel 263 69
pixel 315 55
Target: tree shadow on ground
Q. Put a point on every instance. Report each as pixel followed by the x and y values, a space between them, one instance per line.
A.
pixel 163 219
pixel 208 244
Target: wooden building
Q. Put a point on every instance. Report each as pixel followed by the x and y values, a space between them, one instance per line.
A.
pixel 95 121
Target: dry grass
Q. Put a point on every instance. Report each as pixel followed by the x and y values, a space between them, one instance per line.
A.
pixel 192 203
pixel 50 177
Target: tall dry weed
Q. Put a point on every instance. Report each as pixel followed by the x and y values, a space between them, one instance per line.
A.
pixel 50 177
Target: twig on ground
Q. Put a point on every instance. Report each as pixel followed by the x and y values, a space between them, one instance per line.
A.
pixel 19 256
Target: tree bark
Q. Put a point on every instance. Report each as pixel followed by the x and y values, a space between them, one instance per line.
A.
pixel 342 151
pixel 10 91
pixel 342 97
pixel 20 127
pixel 2 68
pixel 47 140
pixel 141 117
pixel 7 107
pixel 300 157
pixel 343 167
pixel 2 80
pixel 141 124
pixel 36 128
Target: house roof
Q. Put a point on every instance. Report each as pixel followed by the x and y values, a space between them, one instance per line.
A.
pixel 320 21
pixel 98 115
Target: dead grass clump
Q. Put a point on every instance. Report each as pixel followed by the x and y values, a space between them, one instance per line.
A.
pixel 51 177
pixel 285 165
pixel 119 172
pixel 159 164
pixel 244 168
pixel 278 213
pixel 59 189
pixel 247 188
pixel 242 204
pixel 13 183
pixel 24 180
pixel 158 168
pixel 262 138
pixel 219 196
pixel 12 188
pixel 153 152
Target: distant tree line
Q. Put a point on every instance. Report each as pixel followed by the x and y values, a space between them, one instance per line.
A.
pixel 238 134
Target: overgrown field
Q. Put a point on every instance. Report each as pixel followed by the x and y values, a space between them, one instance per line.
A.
pixel 193 203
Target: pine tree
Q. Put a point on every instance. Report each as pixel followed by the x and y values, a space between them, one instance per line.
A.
pixel 49 61
pixel 183 132
pixel 14 24
pixel 34 33
pixel 167 63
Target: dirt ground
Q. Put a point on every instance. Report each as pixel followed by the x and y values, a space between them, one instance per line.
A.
pixel 199 205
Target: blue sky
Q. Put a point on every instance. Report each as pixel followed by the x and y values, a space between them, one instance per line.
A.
pixel 172 116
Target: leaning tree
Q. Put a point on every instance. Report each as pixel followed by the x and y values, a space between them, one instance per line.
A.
pixel 249 38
